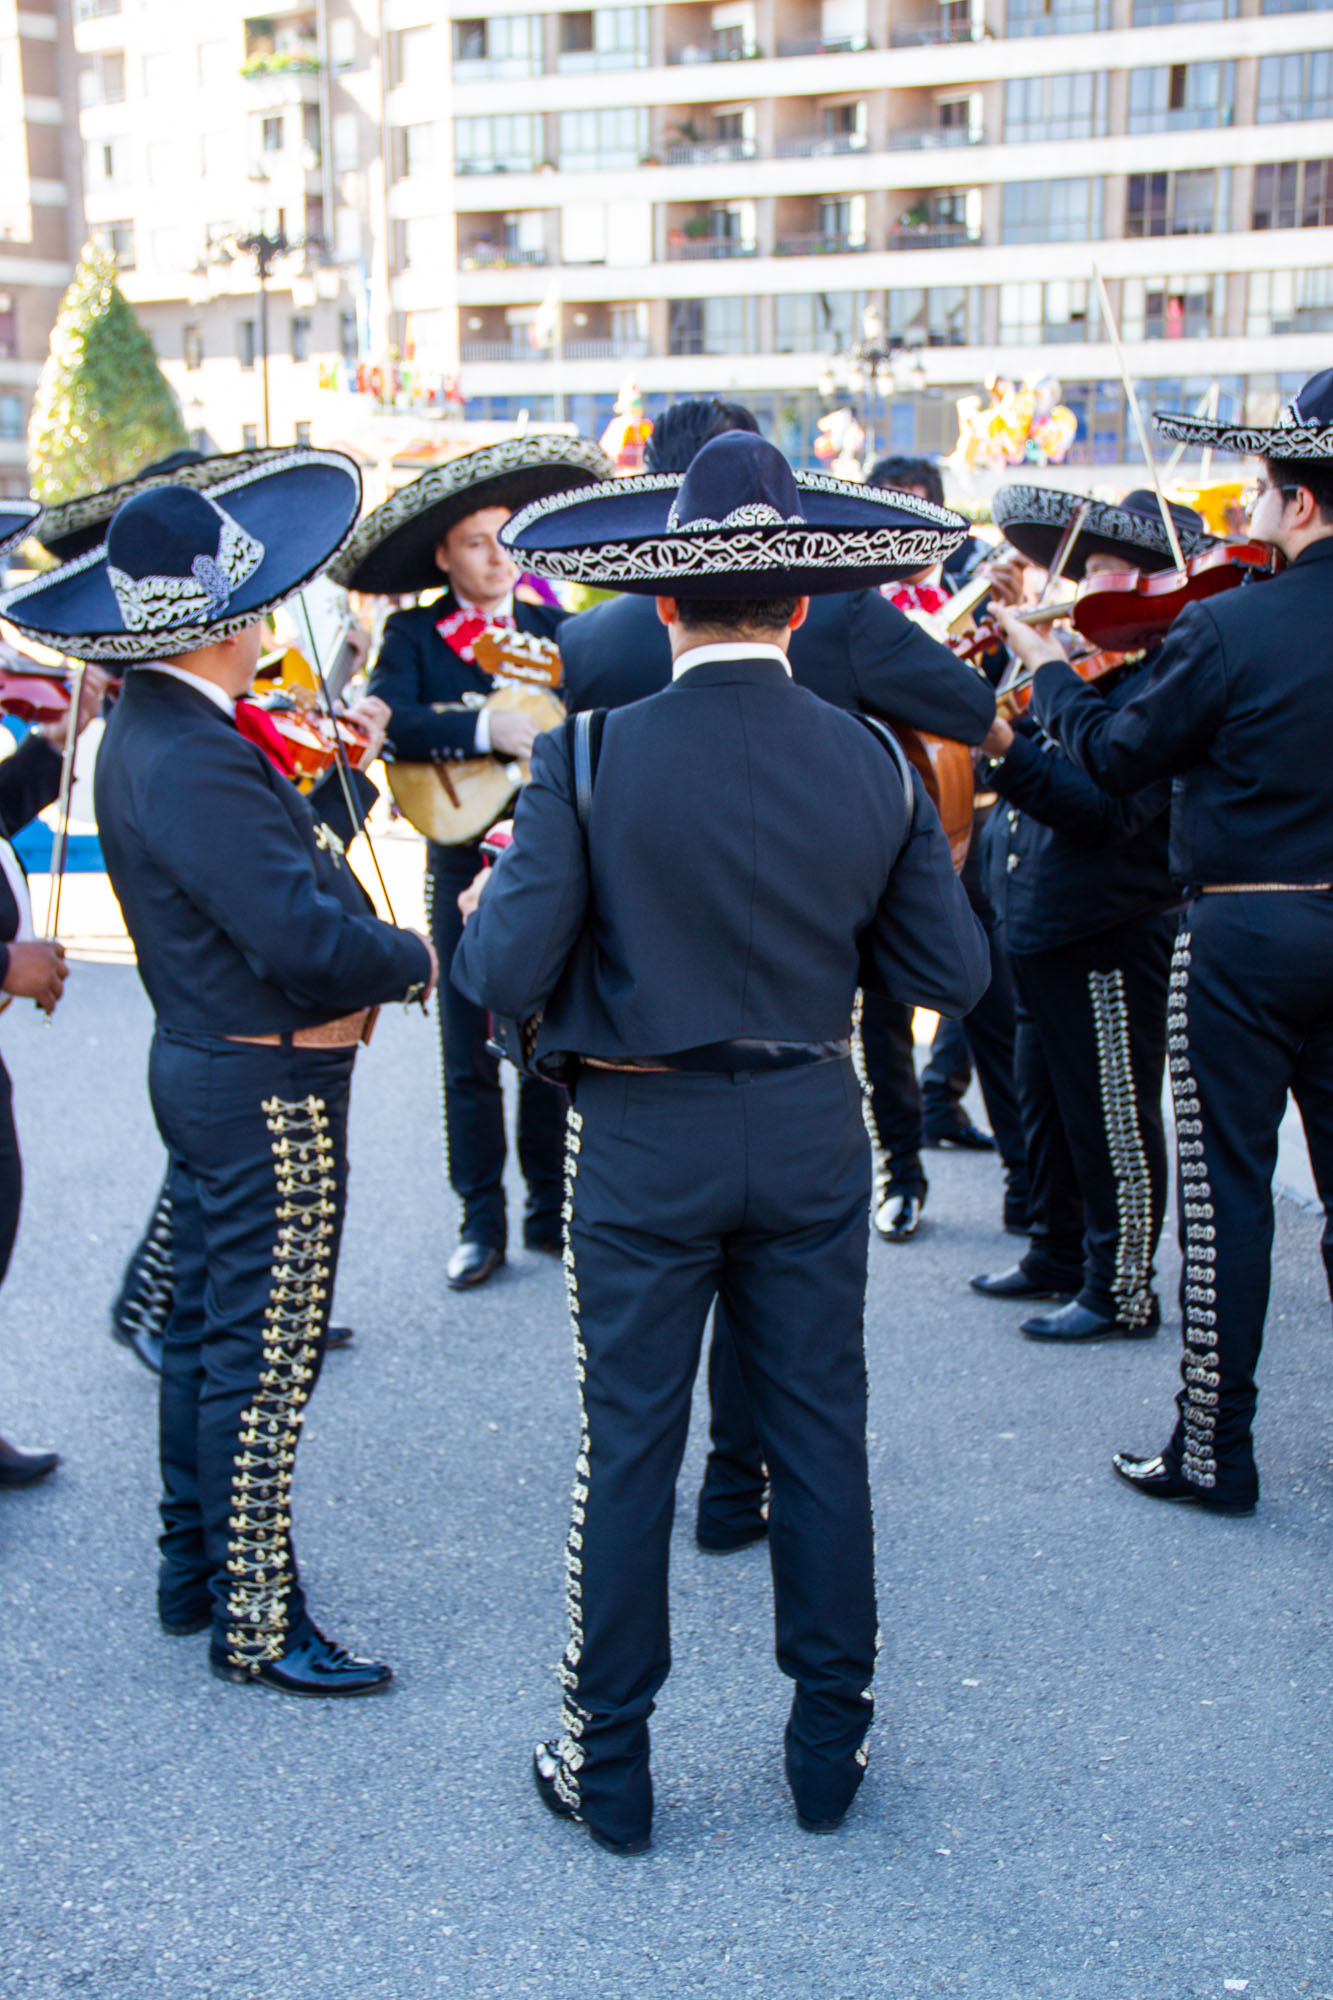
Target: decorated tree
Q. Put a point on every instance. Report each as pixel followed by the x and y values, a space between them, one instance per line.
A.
pixel 103 407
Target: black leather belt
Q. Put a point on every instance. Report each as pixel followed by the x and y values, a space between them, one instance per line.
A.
pixel 736 1058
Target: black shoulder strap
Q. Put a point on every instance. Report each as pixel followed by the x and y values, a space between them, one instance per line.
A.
pixel 899 756
pixel 587 748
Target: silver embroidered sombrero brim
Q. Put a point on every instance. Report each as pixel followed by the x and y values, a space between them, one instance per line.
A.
pixel 1303 430
pixel 1033 520
pixel 625 535
pixel 290 515
pixel 18 520
pixel 73 527
pixel 392 553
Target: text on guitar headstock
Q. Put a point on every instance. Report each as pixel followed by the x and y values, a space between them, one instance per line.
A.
pixel 518 656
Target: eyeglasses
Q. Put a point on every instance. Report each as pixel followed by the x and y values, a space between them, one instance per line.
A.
pixel 1252 494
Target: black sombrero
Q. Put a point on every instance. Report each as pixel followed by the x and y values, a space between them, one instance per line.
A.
pixel 392 553
pixel 1034 518
pixel 182 569
pixel 80 524
pixel 738 523
pixel 1303 430
pixel 18 520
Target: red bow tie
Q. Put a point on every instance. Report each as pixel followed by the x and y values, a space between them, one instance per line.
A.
pixel 257 726
pixel 461 629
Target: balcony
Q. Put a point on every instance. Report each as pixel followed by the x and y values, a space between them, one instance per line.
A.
pixel 709 152
pixel 943 236
pixel 1187 118
pixel 934 35
pixel 821 145
pixel 496 257
pixel 503 350
pixel 926 138
pixel 682 249
pixel 722 48
pixel 814 45
pixel 614 349
pixel 818 246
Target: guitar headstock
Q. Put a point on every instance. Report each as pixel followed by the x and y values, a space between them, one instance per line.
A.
pixel 519 656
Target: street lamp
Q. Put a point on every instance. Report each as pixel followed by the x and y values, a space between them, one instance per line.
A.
pixel 266 248
pixel 870 363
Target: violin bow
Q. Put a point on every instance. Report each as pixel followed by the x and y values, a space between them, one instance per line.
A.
pixel 1108 320
pixel 340 753
pixel 60 841
pixel 1060 559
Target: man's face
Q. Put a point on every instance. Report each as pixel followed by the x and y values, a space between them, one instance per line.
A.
pixel 471 557
pixel 1099 563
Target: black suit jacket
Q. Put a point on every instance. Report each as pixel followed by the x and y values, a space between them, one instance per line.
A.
pixel 414 670
pixel 1237 707
pixel 747 866
pixel 855 650
pixel 29 781
pixel 245 916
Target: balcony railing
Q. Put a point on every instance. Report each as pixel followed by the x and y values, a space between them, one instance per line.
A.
pixel 616 348
pixel 721 50
pixel 933 34
pixel 821 145
pixel 818 246
pixel 925 138
pixel 493 256
pixel 502 350
pixel 706 249
pixel 1187 118
pixel 947 236
pixel 815 45
pixel 709 152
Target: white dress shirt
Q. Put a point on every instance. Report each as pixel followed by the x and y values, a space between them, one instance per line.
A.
pixel 697 656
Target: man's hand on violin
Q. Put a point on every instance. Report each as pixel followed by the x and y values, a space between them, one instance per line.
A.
pixel 372 717
pixel 513 733
pixel 1026 642
pixel 1008 577
pixel 434 979
pixel 37 971
pixel 91 697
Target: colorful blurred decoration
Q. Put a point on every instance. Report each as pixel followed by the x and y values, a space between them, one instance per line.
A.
pixel 839 442
pixel 628 432
pixel 1025 423
pixel 394 385
pixel 1221 506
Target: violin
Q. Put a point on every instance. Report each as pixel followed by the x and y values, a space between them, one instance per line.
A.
pixel 1127 608
pixel 308 736
pixel 1097 664
pixel 34 694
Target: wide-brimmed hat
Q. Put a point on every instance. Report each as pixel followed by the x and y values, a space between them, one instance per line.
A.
pixel 392 553
pixel 1304 429
pixel 18 520
pixel 738 523
pixel 1034 518
pixel 80 524
pixel 182 569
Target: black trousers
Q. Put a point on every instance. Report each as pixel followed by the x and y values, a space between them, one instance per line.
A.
pixel 1097 1010
pixel 11 1174
pixel 143 1303
pixel 258 1180
pixel 1251 1018
pixel 474 1133
pixel 754 1190
pixel 888 1060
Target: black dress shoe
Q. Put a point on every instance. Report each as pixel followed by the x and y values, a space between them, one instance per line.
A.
pixel 144 1346
pixel 713 1541
pixel 956 1129
pixel 546 1246
pixel 185 1624
pixel 25 1468
pixel 1074 1323
pixel 545 1764
pixel 472 1264
pixel 1154 1477
pixel 1015 1283
pixel 898 1216
pixel 314 1667
pixel 338 1336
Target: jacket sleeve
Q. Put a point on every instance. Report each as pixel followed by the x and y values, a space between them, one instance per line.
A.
pixel 262 891
pixel 1046 784
pixel 419 730
pixel 1164 728
pixel 329 804
pixel 905 675
pixel 925 947
pixel 516 944
pixel 29 782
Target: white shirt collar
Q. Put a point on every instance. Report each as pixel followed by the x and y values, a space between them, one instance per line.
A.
pixel 218 696
pixel 505 610
pixel 698 656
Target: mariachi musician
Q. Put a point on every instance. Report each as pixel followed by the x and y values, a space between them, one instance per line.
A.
pixel 1081 885
pixel 31 968
pixel 264 979
pixel 1237 710
pixel 442 529
pixel 142 1305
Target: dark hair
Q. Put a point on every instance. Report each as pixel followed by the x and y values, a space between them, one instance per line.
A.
pixel 727 614
pixel 1315 474
pixel 903 473
pixel 686 427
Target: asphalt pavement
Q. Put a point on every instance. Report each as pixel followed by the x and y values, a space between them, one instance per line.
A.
pixel 1101 1769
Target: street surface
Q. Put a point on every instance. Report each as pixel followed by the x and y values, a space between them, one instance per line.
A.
pixel 1101 1769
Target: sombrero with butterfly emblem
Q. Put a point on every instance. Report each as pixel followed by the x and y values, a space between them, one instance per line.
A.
pixel 74 526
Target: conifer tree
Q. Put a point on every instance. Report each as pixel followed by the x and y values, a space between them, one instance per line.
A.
pixel 103 407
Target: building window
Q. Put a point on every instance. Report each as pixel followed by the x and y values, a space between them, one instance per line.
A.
pixel 270 133
pixel 349 343
pixel 816 322
pixel 1032 314
pixel 1052 211
pixel 606 38
pixel 249 437
pixel 603 141
pixel 1296 194
pixel 1056 17
pixel 711 326
pixel 9 327
pixel 300 337
pixel 1290 302
pixel 497 46
pixel 934 316
pixel 11 417
pixel 1295 86
pixel 193 346
pixel 303 434
pixel 1192 203
pixel 1181 308
pixel 1056 107
pixel 94 10
pixel 414 151
pixel 504 145
pixel 1182 97
pixel 118 238
pixel 411 55
pixel 247 346
pixel 1164 13
pixel 103 81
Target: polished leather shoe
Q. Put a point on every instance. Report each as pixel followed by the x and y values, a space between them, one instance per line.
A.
pixel 545 1764
pixel 144 1346
pixel 1074 1323
pixel 338 1336
pixel 185 1624
pixel 315 1667
pixel 1154 1477
pixel 471 1265
pixel 898 1216
pixel 712 1541
pixel 546 1246
pixel 1014 1283
pixel 25 1468
pixel 956 1129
